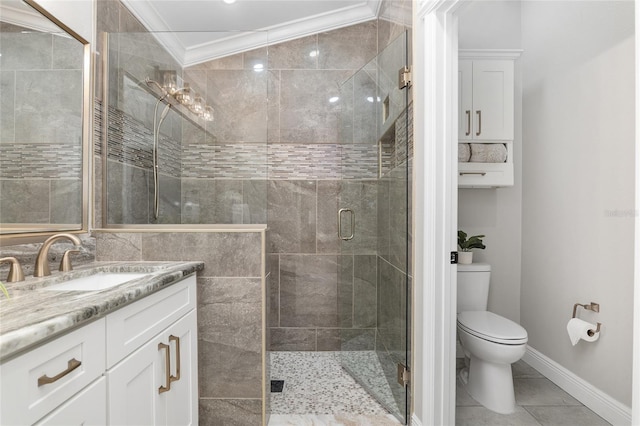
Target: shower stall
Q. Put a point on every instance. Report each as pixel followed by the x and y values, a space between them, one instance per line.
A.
pixel 316 145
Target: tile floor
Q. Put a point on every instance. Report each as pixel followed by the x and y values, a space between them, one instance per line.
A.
pixel 318 392
pixel 539 403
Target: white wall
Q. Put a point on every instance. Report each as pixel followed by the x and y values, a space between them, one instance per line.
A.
pixel 496 213
pixel 79 15
pixel 578 183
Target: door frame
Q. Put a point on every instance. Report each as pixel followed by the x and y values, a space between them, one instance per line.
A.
pixel 435 54
pixel 435 59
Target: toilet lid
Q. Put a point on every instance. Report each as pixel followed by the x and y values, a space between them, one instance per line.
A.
pixel 489 326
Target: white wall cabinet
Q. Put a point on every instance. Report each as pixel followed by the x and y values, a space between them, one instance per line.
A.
pixel 486 111
pixel 136 366
pixel 485 100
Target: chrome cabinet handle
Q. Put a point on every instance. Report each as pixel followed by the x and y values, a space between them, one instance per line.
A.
pixel 479 122
pixel 353 224
pixel 468 132
pixel 176 339
pixel 167 368
pixel 473 173
pixel 71 365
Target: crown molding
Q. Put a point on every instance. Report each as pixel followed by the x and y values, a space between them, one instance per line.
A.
pixel 248 40
pixel 245 41
pixel 28 19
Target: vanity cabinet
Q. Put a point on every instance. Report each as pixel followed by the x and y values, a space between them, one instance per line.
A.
pixel 135 366
pixel 155 383
pixel 86 408
pixel 43 379
pixel 485 100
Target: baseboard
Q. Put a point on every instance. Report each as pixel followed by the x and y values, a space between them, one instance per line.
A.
pixel 415 421
pixel 597 401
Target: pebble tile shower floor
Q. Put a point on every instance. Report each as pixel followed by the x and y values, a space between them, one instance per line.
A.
pixel 318 392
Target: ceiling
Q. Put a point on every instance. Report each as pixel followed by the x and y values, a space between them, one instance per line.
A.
pixel 195 31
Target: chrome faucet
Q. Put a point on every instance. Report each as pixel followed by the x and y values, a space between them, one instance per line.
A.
pixel 41 269
pixel 15 270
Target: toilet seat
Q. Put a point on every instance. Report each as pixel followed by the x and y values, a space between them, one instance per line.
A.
pixel 491 327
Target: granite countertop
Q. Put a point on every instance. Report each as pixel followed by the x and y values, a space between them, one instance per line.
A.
pixel 34 314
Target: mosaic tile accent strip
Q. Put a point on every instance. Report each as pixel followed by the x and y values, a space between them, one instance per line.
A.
pixel 360 161
pixel 226 161
pixel 315 383
pixel 130 142
pixel 298 162
pixel 280 161
pixel 40 160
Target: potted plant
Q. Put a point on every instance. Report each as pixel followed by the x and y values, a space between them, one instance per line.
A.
pixel 465 255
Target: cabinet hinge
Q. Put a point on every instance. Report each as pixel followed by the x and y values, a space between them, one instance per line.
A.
pixel 404 375
pixel 404 77
pixel 454 257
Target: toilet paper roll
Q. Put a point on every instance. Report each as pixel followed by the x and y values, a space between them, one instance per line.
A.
pixel 579 329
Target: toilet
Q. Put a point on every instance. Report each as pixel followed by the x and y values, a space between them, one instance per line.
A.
pixel 490 342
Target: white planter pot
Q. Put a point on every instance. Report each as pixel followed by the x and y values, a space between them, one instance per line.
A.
pixel 465 257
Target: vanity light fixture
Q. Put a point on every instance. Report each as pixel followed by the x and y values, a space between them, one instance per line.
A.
pixel 184 95
pixel 229 1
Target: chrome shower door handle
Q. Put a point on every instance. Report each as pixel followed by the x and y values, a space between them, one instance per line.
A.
pixel 353 224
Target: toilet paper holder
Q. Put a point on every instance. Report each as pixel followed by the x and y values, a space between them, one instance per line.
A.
pixel 595 307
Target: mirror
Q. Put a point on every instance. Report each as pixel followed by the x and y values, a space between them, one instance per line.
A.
pixel 44 124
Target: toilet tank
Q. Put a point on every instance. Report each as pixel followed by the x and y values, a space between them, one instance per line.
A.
pixel 473 287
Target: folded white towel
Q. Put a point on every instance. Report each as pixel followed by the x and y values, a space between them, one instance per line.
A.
pixel 464 152
pixel 488 153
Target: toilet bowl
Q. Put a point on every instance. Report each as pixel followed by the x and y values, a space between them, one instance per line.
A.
pixel 492 344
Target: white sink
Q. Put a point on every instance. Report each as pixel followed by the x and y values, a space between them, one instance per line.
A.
pixel 96 282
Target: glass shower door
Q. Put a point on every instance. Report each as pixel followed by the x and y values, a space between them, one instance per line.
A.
pixel 373 227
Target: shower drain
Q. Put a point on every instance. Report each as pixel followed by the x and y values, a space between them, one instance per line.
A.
pixel 276 386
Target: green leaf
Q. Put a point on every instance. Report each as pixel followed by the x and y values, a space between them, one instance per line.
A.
pixel 4 290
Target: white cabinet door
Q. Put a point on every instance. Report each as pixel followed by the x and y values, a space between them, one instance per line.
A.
pixel 146 389
pixel 182 399
pixel 133 387
pixel 485 100
pixel 465 99
pixel 86 408
pixel 493 100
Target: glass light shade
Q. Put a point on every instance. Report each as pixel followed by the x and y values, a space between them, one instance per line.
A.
pixel 185 95
pixel 197 107
pixel 169 82
pixel 207 115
